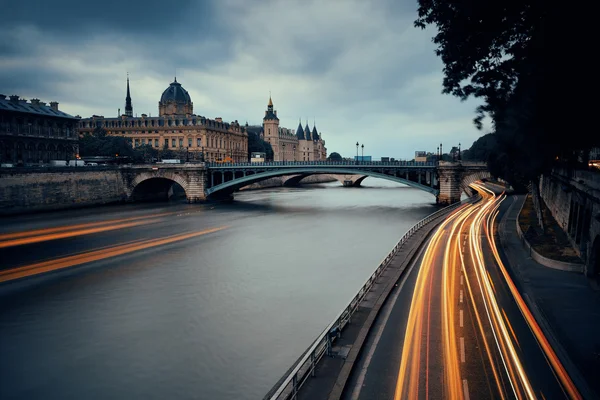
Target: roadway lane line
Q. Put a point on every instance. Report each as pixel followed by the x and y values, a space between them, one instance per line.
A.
pixel 461 279
pixel 466 389
pixel 385 316
pixel 461 296
pixel 461 318
pixel 462 349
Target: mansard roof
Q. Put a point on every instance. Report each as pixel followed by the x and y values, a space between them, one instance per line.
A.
pixel 34 107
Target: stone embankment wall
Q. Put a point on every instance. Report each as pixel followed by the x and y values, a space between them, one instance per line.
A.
pixel 280 181
pixel 55 188
pixel 573 198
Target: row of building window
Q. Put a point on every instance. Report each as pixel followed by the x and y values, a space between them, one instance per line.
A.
pixel 155 123
pixel 178 142
pixel 36 130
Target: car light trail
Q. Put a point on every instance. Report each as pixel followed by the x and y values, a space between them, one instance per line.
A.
pixel 559 369
pixel 95 255
pixel 457 246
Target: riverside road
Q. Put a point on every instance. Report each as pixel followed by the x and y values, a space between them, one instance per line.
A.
pixel 459 327
pixel 186 301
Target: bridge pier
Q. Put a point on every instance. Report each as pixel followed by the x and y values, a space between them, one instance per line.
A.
pixel 450 177
pixel 195 187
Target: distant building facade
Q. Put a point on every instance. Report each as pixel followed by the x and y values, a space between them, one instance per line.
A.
pixel 176 128
pixel 33 132
pixel 289 145
pixel 420 156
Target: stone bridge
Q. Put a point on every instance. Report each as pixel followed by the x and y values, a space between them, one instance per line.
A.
pixel 42 188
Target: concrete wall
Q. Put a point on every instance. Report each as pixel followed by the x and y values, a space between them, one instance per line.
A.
pixel 573 198
pixel 54 188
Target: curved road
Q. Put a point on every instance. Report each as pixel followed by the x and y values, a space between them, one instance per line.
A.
pixel 459 329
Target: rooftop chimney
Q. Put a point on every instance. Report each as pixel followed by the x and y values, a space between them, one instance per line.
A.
pixel 54 105
pixel 35 102
pixel 2 97
pixel 14 98
pixel 219 119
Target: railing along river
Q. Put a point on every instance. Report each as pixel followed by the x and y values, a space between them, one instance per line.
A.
pixel 304 368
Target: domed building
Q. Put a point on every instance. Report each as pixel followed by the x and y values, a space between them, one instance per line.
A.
pixel 175 100
pixel 177 128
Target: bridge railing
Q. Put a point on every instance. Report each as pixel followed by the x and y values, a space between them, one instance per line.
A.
pixel 322 163
pixel 288 386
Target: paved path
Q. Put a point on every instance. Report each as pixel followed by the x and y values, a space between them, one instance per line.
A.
pixel 566 305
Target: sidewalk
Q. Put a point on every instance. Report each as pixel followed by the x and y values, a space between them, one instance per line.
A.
pixel 563 303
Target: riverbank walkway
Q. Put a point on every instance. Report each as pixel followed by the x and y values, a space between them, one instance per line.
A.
pixel 565 304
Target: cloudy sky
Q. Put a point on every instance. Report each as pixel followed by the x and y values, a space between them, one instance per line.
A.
pixel 357 67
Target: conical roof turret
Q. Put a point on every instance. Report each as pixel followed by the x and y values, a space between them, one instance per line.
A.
pixel 300 131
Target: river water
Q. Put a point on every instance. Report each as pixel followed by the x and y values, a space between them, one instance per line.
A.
pixel 218 316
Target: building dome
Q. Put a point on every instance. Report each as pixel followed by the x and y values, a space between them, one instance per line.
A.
pixel 175 100
pixel 175 92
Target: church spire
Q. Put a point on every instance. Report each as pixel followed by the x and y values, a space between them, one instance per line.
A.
pixel 128 106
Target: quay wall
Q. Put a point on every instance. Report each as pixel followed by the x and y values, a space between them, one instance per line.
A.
pixel 58 188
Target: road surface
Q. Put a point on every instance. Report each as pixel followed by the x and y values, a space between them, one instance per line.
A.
pixel 459 329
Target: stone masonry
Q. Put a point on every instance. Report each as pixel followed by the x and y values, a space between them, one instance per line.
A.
pixel 41 189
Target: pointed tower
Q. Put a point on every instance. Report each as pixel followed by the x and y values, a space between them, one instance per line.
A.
pixel 315 134
pixel 307 134
pixel 271 130
pixel 300 131
pixel 128 106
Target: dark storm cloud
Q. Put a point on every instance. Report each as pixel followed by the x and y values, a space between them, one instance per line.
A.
pixel 74 17
pixel 355 65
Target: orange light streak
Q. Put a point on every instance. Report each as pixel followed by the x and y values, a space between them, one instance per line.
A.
pixel 551 356
pixel 96 255
pixel 62 235
pixel 15 235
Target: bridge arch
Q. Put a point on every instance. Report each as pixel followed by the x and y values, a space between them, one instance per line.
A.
pixel 467 180
pixel 147 185
pixel 228 187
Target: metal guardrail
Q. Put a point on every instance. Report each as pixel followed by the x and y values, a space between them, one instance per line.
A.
pixel 323 163
pixel 288 386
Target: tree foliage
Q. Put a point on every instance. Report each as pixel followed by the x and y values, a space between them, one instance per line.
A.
pixel 481 149
pixel 485 46
pixel 498 52
pixel 256 144
pixel 99 143
pixel 335 157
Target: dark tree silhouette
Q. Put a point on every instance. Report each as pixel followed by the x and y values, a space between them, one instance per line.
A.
pixel 335 157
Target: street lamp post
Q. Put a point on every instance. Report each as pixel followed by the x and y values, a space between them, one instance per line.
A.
pixel 362 147
pixel 284 152
pixel 187 154
pixel 357 152
pixel 459 156
pixel 438 153
pixel 294 153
